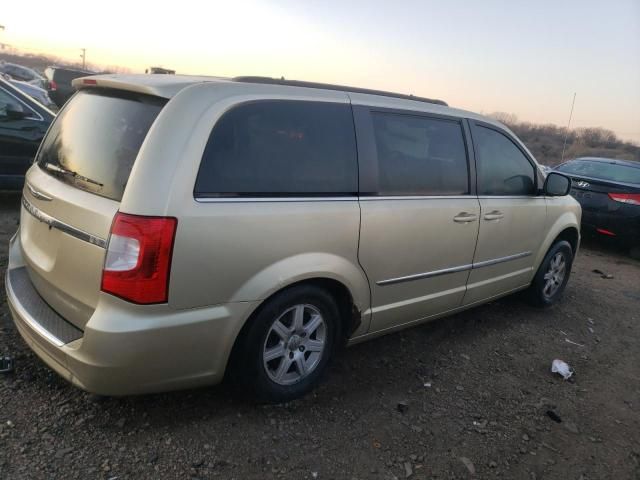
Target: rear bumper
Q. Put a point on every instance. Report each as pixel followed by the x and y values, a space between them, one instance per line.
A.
pixel 623 224
pixel 126 349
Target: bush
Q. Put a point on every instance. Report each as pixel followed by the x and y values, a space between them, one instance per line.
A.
pixel 546 141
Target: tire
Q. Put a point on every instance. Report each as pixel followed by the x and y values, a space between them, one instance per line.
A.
pixel 280 359
pixel 551 278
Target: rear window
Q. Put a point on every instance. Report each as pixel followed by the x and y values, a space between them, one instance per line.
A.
pixel 606 171
pixel 67 76
pixel 95 140
pixel 283 147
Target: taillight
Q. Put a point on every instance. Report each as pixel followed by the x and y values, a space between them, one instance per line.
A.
pixel 631 198
pixel 138 260
pixel 53 85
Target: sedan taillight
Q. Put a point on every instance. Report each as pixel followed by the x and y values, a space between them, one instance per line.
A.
pixel 138 259
pixel 630 198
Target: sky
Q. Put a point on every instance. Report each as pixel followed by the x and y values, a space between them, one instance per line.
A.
pixel 525 58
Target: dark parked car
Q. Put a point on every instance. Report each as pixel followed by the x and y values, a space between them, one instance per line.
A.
pixel 609 192
pixel 59 82
pixel 37 93
pixel 23 123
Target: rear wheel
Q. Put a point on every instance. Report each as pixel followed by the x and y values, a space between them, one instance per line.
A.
pixel 288 344
pixel 552 276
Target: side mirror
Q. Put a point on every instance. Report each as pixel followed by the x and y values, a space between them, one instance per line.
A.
pixel 557 185
pixel 15 112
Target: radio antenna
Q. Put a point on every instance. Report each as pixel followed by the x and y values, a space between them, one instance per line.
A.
pixel 566 133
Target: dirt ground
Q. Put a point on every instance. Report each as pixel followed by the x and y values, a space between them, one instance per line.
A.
pixel 477 388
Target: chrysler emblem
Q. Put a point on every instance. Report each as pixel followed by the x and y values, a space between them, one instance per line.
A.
pixel 582 184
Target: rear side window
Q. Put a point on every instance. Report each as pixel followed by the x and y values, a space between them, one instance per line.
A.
pixel 420 155
pixel 502 167
pixel 274 147
pixel 95 140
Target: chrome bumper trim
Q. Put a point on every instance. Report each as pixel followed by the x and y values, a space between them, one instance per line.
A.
pixel 63 227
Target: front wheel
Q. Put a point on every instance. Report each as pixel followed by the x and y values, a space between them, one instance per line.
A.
pixel 288 344
pixel 552 276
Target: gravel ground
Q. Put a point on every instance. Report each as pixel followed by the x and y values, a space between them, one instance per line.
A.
pixel 469 393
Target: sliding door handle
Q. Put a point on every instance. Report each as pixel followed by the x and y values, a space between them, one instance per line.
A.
pixel 495 215
pixel 464 217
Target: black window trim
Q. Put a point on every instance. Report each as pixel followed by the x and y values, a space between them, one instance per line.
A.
pixel 38 118
pixel 474 125
pixel 368 155
pixel 213 197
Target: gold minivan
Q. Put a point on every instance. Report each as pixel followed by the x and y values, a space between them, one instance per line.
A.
pixel 176 229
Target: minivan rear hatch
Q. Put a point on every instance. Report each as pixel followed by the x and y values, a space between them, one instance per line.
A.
pixel 73 192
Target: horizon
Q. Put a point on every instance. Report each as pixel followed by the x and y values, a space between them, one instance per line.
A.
pixel 478 58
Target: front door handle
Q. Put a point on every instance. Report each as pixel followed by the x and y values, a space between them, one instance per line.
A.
pixel 495 215
pixel 464 217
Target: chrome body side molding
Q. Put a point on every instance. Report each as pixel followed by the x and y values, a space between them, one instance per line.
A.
pixel 508 258
pixel 419 276
pixel 460 268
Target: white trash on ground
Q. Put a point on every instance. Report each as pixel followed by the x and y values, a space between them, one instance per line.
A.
pixel 558 366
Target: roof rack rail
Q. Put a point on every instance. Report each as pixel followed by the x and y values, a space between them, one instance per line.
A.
pixel 328 86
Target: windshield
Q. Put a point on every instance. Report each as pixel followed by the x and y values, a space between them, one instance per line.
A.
pixel 606 171
pixel 95 140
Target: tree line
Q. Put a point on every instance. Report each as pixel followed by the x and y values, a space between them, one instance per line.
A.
pixel 546 141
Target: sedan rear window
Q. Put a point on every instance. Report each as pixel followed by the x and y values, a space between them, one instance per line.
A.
pixel 95 140
pixel 606 171
pixel 67 76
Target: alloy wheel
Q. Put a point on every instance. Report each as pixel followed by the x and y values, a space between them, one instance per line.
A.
pixel 294 344
pixel 554 275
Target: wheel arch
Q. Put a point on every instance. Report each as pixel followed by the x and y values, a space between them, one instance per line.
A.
pixel 571 235
pixel 566 227
pixel 318 267
pixel 346 283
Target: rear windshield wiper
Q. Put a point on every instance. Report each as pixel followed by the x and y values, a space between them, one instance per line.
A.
pixel 55 168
